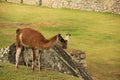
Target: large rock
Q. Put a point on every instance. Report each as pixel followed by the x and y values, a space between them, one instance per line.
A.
pixel 53 59
pixel 4 54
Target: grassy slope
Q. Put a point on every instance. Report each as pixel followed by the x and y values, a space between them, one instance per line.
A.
pixel 8 72
pixel 96 33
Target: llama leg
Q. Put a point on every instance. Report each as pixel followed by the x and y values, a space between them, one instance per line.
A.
pixel 33 59
pixel 26 56
pixel 18 51
pixel 39 60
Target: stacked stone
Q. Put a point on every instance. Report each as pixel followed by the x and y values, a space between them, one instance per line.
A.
pixel 32 2
pixel 4 54
pixel 89 5
pixel 16 1
pixel 116 6
pixel 79 57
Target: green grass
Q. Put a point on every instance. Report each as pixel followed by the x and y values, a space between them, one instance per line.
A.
pixel 8 72
pixel 96 33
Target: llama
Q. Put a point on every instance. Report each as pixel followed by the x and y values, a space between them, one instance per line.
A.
pixel 67 37
pixel 35 40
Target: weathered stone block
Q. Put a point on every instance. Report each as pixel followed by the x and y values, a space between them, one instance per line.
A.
pixel 32 2
pixel 16 1
pixel 53 59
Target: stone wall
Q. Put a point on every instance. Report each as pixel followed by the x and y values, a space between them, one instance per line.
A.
pixel 16 1
pixel 89 5
pixel 36 2
pixel 31 2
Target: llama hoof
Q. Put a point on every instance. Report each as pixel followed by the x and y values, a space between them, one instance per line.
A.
pixel 16 67
pixel 39 70
pixel 33 69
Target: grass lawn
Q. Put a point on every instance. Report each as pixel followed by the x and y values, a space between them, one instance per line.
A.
pixel 96 33
pixel 8 72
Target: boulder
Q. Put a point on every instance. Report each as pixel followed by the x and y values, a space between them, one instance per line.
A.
pixel 55 59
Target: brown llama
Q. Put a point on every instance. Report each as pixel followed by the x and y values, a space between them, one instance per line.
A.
pixel 35 40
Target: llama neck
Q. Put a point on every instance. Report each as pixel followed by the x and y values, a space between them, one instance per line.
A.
pixel 49 43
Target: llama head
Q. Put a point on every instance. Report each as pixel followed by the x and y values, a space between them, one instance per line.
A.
pixel 67 36
pixel 61 42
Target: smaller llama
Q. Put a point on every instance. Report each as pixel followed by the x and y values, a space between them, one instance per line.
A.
pixel 67 37
pixel 35 40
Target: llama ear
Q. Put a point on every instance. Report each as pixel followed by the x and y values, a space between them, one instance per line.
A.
pixel 59 34
pixel 68 34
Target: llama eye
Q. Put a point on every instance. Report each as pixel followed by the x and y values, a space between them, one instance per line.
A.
pixel 61 39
